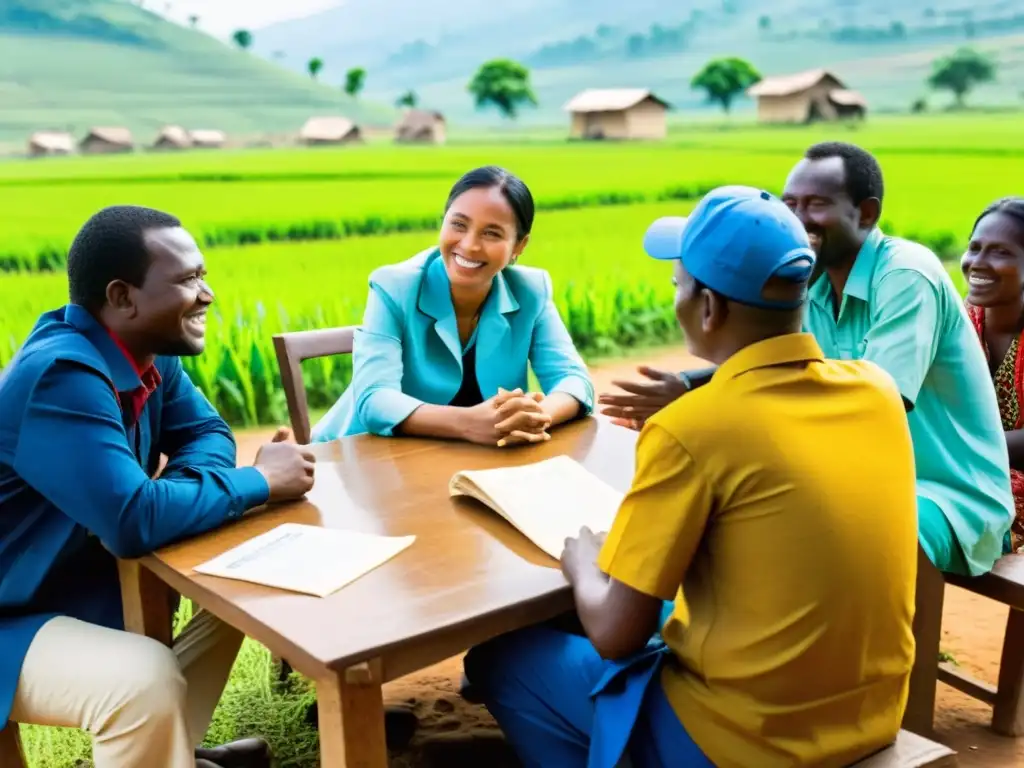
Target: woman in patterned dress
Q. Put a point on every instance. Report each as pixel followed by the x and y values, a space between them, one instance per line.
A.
pixel 994 268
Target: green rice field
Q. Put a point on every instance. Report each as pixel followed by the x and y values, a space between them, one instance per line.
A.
pixel 291 235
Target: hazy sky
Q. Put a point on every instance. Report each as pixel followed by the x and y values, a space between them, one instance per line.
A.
pixel 222 17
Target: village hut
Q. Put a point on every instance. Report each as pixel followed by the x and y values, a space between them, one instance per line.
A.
pixel 207 138
pixel 329 130
pixel 617 113
pixel 107 140
pixel 46 143
pixel 806 97
pixel 421 126
pixel 172 137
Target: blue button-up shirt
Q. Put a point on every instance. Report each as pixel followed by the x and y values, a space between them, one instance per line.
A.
pixel 76 485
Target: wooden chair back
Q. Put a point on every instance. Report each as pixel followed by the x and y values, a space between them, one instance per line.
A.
pixel 291 350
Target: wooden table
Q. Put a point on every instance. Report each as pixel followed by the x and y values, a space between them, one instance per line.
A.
pixel 468 577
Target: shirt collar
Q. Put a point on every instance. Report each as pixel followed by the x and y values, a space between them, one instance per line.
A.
pixel 123 370
pixel 778 350
pixel 858 284
pixel 134 386
pixel 435 298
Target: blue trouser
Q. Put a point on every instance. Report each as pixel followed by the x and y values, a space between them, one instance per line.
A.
pixel 561 705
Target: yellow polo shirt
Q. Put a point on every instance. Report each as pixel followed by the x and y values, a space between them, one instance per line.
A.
pixel 777 505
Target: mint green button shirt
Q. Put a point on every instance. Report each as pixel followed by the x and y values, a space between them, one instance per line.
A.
pixel 900 310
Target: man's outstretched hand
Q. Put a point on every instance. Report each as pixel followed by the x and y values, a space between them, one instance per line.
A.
pixel 642 399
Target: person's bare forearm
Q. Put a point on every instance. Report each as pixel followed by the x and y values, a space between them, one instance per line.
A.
pixel 444 421
pixel 561 407
pixel 591 588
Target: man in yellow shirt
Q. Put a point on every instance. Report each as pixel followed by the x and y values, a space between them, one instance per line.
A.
pixel 776 505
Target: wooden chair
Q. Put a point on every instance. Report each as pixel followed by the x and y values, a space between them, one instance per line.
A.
pixel 1005 584
pixel 291 349
pixel 910 751
pixel 11 753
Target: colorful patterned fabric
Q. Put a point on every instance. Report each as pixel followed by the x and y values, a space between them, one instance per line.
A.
pixel 1008 380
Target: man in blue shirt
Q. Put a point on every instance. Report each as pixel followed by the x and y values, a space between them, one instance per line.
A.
pixel 890 301
pixel 87 406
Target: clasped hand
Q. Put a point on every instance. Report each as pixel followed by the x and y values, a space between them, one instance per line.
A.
pixel 509 418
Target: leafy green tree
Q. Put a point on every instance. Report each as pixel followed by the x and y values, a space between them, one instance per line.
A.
pixel 725 79
pixel 193 20
pixel 242 38
pixel 503 83
pixel 407 99
pixel 961 71
pixel 355 79
pixel 314 66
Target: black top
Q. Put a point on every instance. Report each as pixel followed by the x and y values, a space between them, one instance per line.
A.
pixel 469 395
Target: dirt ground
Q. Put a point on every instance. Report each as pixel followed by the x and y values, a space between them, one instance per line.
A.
pixel 454 733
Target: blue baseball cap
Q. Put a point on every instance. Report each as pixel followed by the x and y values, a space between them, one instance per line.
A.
pixel 736 239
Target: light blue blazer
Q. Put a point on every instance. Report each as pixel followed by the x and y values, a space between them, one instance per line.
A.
pixel 407 352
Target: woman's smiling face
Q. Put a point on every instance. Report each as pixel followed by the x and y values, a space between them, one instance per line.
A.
pixel 994 262
pixel 479 237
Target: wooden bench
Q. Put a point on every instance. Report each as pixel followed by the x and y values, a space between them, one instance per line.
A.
pixel 910 751
pixel 1005 584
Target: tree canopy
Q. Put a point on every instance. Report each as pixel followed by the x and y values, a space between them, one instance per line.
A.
pixel 725 79
pixel 355 79
pixel 961 71
pixel 503 83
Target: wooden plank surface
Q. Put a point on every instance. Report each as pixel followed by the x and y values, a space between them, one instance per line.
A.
pixel 468 576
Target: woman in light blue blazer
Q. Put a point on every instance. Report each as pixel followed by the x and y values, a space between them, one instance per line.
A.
pixel 447 335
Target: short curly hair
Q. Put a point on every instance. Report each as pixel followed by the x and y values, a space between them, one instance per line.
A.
pixel 111 246
pixel 863 174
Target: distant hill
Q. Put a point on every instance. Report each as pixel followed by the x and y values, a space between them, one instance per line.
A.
pixel 72 64
pixel 883 49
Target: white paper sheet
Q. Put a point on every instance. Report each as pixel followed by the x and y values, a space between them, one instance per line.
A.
pixel 306 558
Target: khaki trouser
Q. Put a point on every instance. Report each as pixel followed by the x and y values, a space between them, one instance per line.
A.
pixel 146 705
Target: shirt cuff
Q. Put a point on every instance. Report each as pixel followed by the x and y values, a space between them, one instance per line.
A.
pixel 579 388
pixel 384 409
pixel 250 488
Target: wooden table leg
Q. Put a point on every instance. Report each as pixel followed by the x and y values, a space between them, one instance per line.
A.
pixel 146 600
pixel 1008 710
pixel 11 753
pixel 351 712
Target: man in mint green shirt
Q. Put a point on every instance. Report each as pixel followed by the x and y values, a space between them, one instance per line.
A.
pixel 891 301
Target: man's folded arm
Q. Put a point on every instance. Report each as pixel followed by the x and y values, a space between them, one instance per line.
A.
pixel 72 449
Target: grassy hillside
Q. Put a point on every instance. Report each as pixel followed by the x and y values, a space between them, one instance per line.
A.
pixel 70 64
pixel 883 49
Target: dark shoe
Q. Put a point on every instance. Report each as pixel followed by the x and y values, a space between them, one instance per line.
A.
pixel 246 753
pixel 200 763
